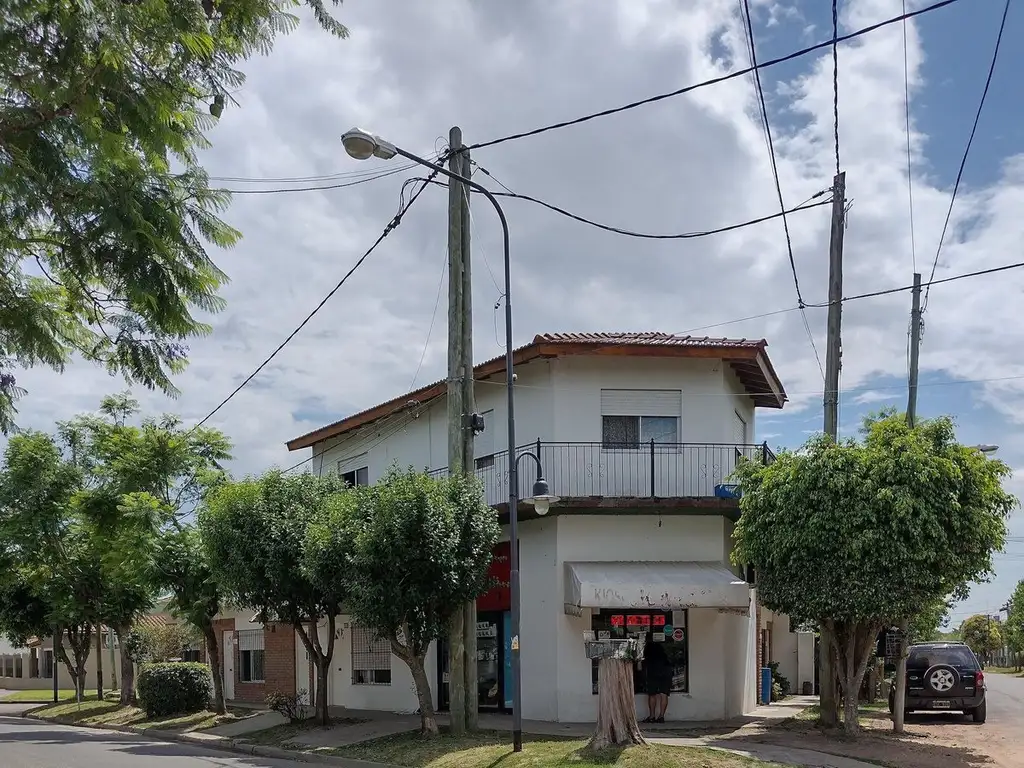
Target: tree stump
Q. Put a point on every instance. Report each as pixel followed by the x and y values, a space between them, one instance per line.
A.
pixel 616 703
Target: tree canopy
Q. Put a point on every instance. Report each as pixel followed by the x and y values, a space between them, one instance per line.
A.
pixel 983 633
pixel 254 532
pixel 421 548
pixel 107 212
pixel 863 535
pixel 1015 621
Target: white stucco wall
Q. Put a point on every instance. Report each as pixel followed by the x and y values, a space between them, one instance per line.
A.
pixel 805 660
pixel 64 682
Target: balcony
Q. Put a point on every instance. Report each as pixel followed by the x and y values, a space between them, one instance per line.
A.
pixel 644 471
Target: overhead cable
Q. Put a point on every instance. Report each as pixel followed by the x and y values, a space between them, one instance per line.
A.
pixel 714 80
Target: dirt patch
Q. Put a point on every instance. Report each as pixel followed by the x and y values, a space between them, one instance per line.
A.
pixel 929 741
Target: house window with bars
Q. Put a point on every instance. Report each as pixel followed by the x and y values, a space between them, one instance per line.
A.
pixel 192 654
pixel 251 654
pixel 19 666
pixel 47 664
pixel 371 658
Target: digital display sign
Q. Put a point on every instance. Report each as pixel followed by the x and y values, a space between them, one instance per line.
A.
pixel 618 620
pixel 659 621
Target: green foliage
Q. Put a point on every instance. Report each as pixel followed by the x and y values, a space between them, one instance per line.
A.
pixel 165 642
pixel 983 634
pixel 107 213
pixel 422 547
pixel 872 531
pixel 862 535
pixel 927 623
pixel 1014 629
pixel 254 532
pixel 288 705
pixel 175 688
pixel 781 687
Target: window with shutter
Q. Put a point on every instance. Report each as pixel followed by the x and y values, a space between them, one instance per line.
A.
pixel 631 418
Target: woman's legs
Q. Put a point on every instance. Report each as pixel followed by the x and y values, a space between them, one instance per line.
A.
pixel 652 708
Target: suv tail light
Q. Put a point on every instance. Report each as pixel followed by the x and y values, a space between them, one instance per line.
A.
pixel 979 678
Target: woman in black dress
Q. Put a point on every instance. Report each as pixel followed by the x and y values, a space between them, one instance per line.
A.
pixel 658 675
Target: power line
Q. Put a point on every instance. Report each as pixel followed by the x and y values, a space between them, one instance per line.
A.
pixel 778 184
pixel 648 235
pixel 910 167
pixel 342 185
pixel 433 319
pixel 967 149
pixel 714 80
pixel 387 231
pixel 299 179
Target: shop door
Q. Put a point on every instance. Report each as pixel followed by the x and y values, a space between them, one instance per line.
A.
pixel 491 664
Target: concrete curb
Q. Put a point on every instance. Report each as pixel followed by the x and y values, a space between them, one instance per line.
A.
pixel 220 743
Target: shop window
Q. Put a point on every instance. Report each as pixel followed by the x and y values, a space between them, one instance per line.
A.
pixel 669 628
pixel 371 658
pixel 251 655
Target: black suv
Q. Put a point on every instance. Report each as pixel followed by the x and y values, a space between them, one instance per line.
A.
pixel 943 677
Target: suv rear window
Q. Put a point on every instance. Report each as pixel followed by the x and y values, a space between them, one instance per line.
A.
pixel 955 655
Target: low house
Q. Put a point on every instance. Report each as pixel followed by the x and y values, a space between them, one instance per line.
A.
pixel 639 435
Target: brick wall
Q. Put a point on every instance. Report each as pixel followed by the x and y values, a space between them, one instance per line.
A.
pixel 278 665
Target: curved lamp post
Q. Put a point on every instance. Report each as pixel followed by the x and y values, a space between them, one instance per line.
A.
pixel 362 145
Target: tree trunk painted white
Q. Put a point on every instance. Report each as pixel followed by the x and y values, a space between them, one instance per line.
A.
pixel 616 705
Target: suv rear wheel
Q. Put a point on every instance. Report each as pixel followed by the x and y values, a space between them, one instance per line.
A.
pixel 979 713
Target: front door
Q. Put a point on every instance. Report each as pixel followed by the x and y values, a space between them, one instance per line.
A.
pixel 491 673
pixel 228 664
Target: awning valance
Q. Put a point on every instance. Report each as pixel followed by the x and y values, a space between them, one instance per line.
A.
pixel 661 585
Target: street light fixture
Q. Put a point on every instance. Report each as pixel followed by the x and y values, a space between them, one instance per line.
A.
pixel 986 448
pixel 542 498
pixel 362 145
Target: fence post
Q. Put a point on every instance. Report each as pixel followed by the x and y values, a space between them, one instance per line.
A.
pixel 652 467
pixel 764 453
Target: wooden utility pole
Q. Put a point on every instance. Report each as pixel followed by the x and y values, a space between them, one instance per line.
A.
pixel 468 457
pixel 829 701
pixel 899 696
pixel 462 635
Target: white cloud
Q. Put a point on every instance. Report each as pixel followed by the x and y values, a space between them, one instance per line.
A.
pixel 874 396
pixel 687 163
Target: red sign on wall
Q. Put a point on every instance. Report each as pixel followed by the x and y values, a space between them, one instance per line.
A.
pixel 499 597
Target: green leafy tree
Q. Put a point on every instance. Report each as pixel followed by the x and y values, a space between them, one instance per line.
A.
pixel 107 214
pixel 421 548
pixel 1014 628
pixel 183 566
pixel 254 532
pixel 861 535
pixel 165 642
pixel 983 633
pixel 52 575
pixel 139 480
pixel 927 624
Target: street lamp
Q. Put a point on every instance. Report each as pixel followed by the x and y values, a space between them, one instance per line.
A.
pixel 362 145
pixel 986 448
pixel 542 498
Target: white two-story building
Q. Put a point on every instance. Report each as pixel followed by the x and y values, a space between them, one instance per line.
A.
pixel 638 434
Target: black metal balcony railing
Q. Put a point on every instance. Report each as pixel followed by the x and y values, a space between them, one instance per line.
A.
pixel 645 470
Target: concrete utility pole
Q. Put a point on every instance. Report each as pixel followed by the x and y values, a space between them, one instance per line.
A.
pixel 915 355
pixel 462 634
pixel 829 701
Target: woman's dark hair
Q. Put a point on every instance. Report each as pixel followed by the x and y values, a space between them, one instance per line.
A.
pixel 654 652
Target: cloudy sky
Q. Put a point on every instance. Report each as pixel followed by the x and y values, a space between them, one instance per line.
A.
pixel 411 70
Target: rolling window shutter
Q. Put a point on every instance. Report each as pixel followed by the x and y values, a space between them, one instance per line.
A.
pixel 641 402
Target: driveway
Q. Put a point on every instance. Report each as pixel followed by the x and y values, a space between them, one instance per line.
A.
pixel 30 744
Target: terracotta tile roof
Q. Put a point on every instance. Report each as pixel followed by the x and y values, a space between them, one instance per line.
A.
pixel 748 357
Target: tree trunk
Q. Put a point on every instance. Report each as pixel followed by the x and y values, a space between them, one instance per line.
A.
pixel 99 664
pixel 428 723
pixel 321 658
pixel 616 706
pixel 213 657
pixel 853 644
pixel 127 697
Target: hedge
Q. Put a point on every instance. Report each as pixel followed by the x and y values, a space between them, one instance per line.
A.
pixel 174 688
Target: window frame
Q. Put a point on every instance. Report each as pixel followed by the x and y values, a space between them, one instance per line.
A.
pixel 640 444
pixel 247 666
pixel 639 682
pixel 358 474
pixel 367 653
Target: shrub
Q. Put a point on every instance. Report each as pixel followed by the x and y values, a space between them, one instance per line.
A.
pixel 781 687
pixel 288 705
pixel 174 688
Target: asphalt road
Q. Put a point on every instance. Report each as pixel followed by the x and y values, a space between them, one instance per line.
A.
pixel 30 744
pixel 1005 699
